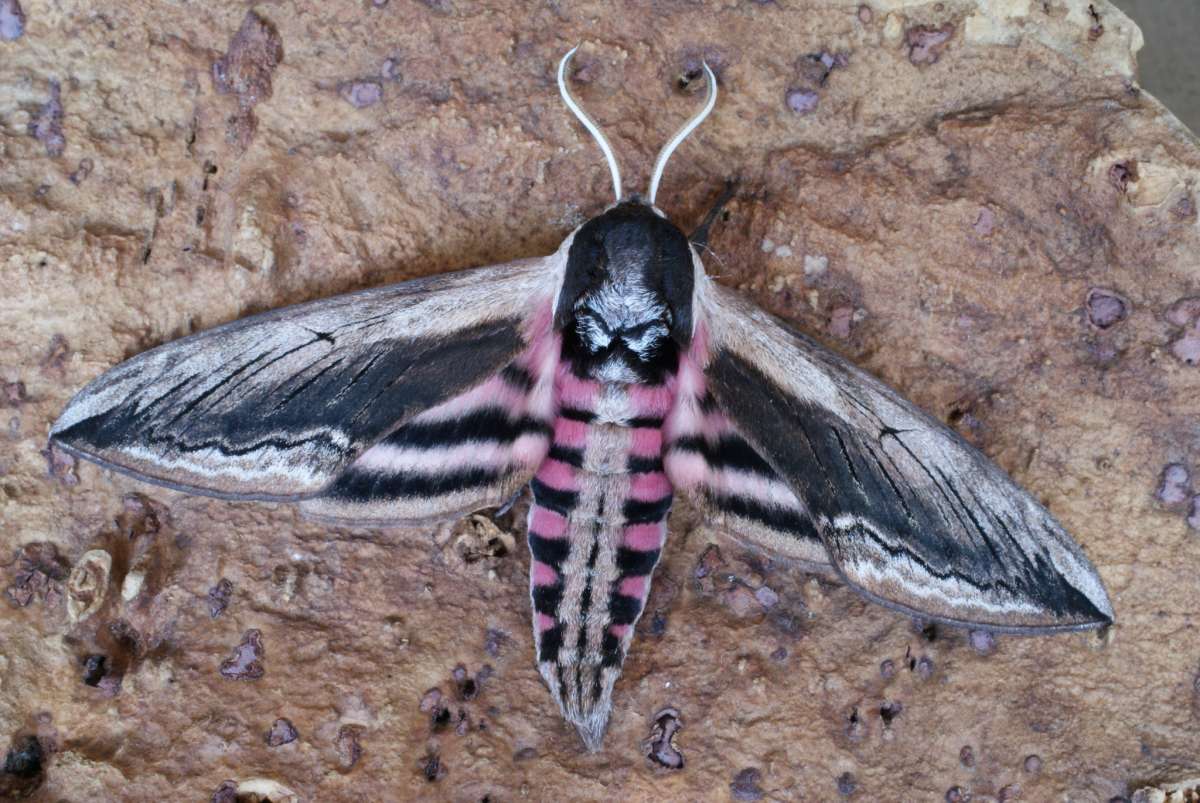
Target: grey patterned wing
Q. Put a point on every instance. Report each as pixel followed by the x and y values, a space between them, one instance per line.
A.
pixel 911 515
pixel 277 405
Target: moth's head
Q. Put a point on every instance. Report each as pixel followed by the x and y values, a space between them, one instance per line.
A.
pixel 626 304
pixel 626 301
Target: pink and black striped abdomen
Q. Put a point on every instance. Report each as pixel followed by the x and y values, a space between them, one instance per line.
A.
pixel 596 530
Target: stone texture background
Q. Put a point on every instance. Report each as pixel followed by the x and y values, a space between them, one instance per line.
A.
pixel 973 200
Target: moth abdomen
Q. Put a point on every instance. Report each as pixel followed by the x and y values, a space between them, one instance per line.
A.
pixel 596 530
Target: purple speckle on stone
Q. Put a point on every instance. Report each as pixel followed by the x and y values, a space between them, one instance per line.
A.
pixel 1193 519
pixel 282 732
pixel 985 222
pixel 1184 208
pixel 1186 348
pixel 13 393
pixel 390 69
pixel 745 785
pixel 218 597
pixel 887 669
pixel 225 793
pixel 47 126
pixel 12 20
pixel 659 747
pixel 1184 312
pixel 1122 174
pixel 494 641
pixel 840 321
pixel 430 700
pixel 1174 485
pixel 1106 308
pixel 955 794
pixel 245 69
pixel 983 642
pixel 349 748
pixel 80 174
pixel 766 597
pixel 924 668
pixel 1033 764
pixel 741 601
pixel 925 43
pixel 779 654
pixel 465 686
pixel 246 661
pixel 966 756
pixel 802 101
pixel 865 15
pixel 432 767
pixel 361 94
pixel 1009 792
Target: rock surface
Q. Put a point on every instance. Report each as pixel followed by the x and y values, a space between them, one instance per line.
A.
pixel 973 200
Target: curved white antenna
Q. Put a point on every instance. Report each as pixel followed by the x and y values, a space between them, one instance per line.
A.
pixel 592 128
pixel 660 164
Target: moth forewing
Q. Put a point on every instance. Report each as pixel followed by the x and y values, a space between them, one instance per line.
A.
pixel 910 514
pixel 278 405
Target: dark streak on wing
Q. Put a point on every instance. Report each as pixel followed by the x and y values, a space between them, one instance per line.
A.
pixel 960 547
pixel 378 385
pixel 731 451
pixel 777 518
pixel 365 486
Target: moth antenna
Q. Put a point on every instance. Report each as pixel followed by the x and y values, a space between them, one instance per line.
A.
pixel 591 126
pixel 661 163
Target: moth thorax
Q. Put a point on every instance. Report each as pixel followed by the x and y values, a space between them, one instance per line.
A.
pixel 623 328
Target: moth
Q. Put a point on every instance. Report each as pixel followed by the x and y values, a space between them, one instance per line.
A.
pixel 607 377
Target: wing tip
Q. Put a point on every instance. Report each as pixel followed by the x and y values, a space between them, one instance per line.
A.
pixel 1093 614
pixel 141 475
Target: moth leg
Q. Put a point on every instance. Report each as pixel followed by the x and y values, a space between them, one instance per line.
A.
pixel 512 500
pixel 699 236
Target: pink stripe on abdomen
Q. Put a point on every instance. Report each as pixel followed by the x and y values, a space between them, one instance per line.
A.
pixel 645 537
pixel 649 486
pixel 647 442
pixel 570 433
pixel 547 523
pixel 558 475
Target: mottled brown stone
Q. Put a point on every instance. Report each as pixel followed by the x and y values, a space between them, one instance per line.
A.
pixel 955 193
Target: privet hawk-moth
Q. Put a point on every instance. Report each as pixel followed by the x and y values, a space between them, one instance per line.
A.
pixel 606 376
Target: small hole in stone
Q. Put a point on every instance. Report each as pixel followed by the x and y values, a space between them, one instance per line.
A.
pixel 889 711
pixel 687 77
pixel 431 767
pixel 24 759
pixel 95 667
